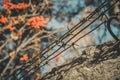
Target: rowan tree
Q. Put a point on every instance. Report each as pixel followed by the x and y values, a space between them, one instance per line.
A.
pixel 22 30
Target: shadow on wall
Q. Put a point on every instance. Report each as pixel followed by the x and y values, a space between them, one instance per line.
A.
pixel 91 56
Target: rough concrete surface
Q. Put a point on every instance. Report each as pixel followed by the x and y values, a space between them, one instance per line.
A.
pixel 101 62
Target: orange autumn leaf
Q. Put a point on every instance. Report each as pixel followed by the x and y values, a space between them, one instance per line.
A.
pixel 22 6
pixel 24 58
pixel 9 5
pixel 25 55
pixel 21 59
pixel 11 54
pixel 47 19
pixel 37 22
pixel 11 28
pixel 20 33
pixel 57 58
pixel 3 19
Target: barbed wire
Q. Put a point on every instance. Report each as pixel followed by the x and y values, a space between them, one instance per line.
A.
pixel 63 45
pixel 52 45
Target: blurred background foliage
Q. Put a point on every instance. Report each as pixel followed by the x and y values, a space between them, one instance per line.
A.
pixel 65 11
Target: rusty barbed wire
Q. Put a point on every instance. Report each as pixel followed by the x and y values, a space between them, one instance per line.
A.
pixel 63 45
pixel 66 34
pixel 69 40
